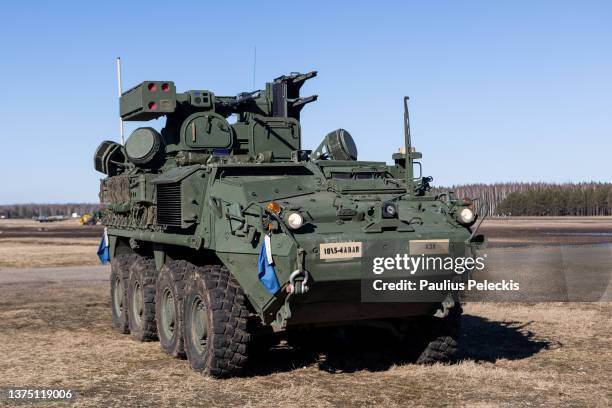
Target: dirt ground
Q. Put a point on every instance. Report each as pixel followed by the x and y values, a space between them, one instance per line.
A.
pixel 27 243
pixel 55 333
pixel 538 231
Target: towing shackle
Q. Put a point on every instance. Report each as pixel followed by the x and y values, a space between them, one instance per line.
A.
pixel 299 287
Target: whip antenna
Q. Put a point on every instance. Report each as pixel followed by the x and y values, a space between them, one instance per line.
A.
pixel 119 89
pixel 254 65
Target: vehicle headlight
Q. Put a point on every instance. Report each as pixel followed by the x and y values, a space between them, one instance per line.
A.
pixel 295 220
pixel 467 216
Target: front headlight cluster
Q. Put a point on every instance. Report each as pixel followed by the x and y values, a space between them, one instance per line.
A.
pixel 466 216
pixel 295 220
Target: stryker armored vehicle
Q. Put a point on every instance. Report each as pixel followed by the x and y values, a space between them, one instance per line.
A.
pixel 219 230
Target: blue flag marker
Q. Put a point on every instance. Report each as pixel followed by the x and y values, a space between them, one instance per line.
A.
pixel 267 274
pixel 103 252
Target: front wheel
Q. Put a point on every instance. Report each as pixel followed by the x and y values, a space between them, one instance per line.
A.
pixel 215 322
pixel 440 337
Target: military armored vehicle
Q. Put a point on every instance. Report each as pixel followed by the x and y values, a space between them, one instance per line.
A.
pixel 221 226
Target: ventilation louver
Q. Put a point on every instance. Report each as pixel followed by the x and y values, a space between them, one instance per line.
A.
pixel 169 204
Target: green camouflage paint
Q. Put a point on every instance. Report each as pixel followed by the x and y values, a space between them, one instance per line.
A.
pixel 200 189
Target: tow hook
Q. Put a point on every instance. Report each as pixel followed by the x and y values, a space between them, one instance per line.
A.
pixel 295 287
pixel 300 287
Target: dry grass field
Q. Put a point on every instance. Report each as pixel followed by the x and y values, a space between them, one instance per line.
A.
pixel 56 334
pixel 27 243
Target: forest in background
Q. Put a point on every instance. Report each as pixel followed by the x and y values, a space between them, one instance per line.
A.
pixel 47 210
pixel 539 199
pixel 517 199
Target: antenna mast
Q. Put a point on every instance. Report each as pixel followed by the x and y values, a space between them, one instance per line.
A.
pixel 119 89
pixel 407 140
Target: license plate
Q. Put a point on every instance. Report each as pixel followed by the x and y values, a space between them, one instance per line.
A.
pixel 429 246
pixel 340 250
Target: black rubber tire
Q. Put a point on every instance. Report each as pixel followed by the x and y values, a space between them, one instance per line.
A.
pixel 171 283
pixel 120 274
pixel 143 276
pixel 214 295
pixel 441 339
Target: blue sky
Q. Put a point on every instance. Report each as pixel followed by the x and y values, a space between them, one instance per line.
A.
pixel 500 91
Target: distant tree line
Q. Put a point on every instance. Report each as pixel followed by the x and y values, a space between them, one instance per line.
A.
pixel 518 199
pixel 525 199
pixel 46 210
pixel 580 199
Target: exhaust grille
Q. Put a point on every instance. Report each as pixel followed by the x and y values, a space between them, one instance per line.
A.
pixel 169 204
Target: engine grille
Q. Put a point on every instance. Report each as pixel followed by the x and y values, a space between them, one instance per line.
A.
pixel 169 204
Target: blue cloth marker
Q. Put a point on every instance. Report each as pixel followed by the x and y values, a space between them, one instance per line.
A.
pixel 267 274
pixel 103 251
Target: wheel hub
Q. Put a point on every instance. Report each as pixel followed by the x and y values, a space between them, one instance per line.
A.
pixel 168 314
pixel 138 304
pixel 199 324
pixel 118 296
